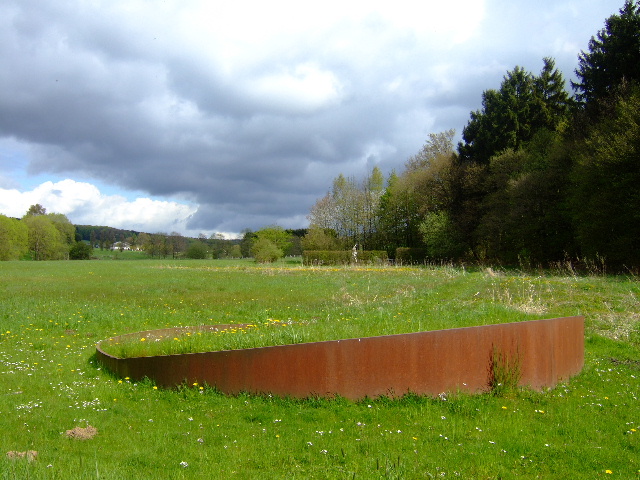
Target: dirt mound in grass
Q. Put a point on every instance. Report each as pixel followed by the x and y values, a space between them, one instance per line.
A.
pixel 82 433
pixel 30 455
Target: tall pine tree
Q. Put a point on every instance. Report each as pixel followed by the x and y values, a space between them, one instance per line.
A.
pixel 512 115
pixel 613 56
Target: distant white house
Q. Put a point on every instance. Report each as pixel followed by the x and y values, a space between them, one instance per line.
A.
pixel 121 246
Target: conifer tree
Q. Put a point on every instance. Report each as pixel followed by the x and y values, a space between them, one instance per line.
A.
pixel 613 56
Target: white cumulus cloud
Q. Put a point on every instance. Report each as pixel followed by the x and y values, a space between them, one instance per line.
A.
pixel 84 204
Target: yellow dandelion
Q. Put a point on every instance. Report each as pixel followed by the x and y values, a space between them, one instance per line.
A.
pixel 608 472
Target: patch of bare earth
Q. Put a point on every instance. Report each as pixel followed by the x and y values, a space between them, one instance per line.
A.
pixel 30 455
pixel 82 433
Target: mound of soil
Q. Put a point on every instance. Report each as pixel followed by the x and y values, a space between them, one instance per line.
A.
pixel 80 433
pixel 30 455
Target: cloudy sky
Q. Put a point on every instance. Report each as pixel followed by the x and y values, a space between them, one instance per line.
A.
pixel 210 116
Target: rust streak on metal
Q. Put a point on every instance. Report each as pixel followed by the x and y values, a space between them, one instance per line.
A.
pixel 549 351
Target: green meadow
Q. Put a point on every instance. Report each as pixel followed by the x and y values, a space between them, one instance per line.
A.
pixel 52 314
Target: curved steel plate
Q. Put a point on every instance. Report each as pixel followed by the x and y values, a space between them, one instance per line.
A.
pixel 549 351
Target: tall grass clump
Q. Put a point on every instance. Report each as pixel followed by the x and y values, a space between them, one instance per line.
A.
pixel 505 372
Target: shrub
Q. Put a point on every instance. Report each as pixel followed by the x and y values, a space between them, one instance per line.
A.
pixel 440 236
pixel 342 257
pixel 372 256
pixel 265 251
pixel 80 251
pixel 236 252
pixel 197 250
pixel 409 256
pixel 326 257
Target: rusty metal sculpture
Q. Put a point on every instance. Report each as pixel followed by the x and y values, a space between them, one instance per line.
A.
pixel 459 359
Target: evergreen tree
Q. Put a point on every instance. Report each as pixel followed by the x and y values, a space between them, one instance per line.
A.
pixel 480 140
pixel 613 56
pixel 604 198
pixel 552 103
pixel 512 115
pixel 248 239
pixel 523 215
pixel 80 251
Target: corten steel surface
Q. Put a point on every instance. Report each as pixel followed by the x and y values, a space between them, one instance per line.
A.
pixel 429 363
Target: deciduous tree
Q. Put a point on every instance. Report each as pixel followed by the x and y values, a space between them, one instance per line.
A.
pixel 277 235
pixel 320 239
pixel 265 251
pixel 13 238
pixel 197 250
pixel 372 190
pixel 36 209
pixel 438 144
pixel 399 215
pixel 65 227
pixel 45 240
pixel 177 244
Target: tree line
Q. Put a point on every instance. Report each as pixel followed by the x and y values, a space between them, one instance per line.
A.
pixel 539 175
pixel 39 235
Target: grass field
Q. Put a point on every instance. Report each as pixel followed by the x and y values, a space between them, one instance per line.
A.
pixel 53 313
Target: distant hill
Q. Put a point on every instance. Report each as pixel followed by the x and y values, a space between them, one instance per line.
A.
pixel 105 234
